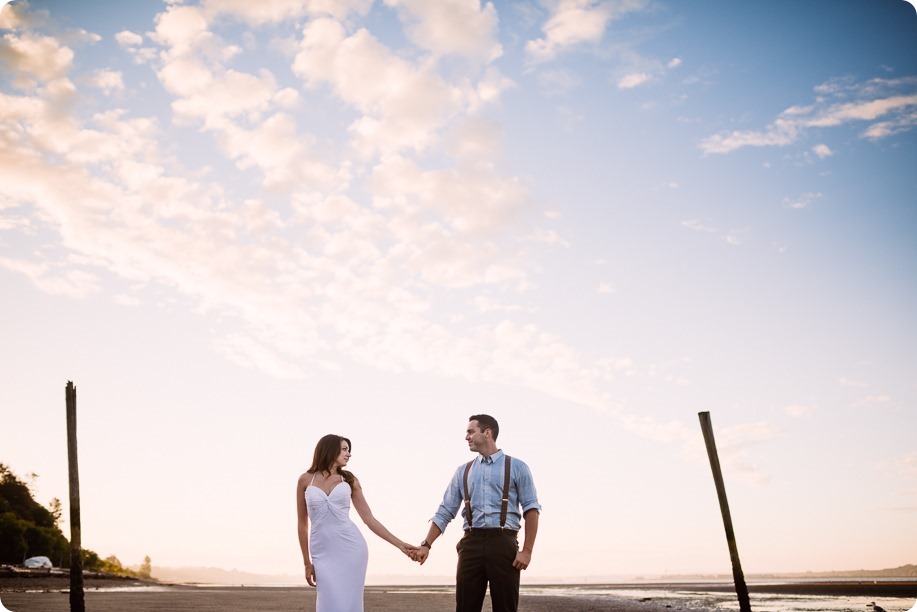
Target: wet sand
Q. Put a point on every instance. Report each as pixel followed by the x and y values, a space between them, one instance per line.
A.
pixel 290 599
pixel 48 594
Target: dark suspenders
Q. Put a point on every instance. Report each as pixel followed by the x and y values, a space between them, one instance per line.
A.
pixel 503 505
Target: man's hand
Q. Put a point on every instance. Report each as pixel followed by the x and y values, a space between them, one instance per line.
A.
pixel 522 560
pixel 420 555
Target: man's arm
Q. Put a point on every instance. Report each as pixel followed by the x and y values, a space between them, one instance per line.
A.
pixel 524 556
pixel 422 551
pixel 452 500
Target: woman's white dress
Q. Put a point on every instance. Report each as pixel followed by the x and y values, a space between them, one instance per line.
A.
pixel 338 549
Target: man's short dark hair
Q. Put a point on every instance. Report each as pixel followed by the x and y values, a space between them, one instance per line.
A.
pixel 485 421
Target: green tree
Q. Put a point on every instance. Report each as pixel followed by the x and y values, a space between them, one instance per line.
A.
pixel 146 568
pixel 27 529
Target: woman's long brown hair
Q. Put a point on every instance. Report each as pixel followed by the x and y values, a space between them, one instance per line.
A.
pixel 326 452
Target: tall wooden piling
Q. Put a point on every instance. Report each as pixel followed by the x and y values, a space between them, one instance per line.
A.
pixel 737 575
pixel 77 601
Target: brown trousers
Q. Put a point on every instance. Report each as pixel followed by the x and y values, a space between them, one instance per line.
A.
pixel 486 556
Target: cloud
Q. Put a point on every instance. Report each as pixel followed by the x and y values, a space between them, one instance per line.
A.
pixel 452 27
pixel 33 58
pixel 798 410
pixel 370 257
pixel 402 106
pixel 822 151
pixel 126 38
pixel 875 401
pixel 633 80
pixel 907 465
pixel 55 280
pixel 276 11
pixel 697 226
pixel 802 201
pixel 889 106
pixel 577 22
pixel 107 80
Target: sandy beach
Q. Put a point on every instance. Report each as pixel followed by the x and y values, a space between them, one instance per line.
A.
pixel 49 594
pixel 289 599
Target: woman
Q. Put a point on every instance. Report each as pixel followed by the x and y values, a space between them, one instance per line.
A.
pixel 334 551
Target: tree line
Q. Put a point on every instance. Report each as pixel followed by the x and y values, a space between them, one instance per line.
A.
pixel 28 529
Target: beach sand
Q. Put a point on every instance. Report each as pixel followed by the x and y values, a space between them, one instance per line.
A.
pixel 283 599
pixel 48 594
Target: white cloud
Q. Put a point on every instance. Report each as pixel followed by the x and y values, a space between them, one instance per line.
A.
pixel 606 288
pixel 822 151
pixel 402 106
pixel 126 38
pixel 907 465
pixel 32 58
pixel 873 100
pixel 446 27
pixel 697 226
pixel 802 201
pixel 55 280
pixel 486 305
pixel 573 22
pixel 633 80
pixel 576 22
pixel 107 80
pixel 798 410
pixel 275 11
pixel 352 269
pixel 875 401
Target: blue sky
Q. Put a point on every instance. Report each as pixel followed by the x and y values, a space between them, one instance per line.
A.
pixel 237 227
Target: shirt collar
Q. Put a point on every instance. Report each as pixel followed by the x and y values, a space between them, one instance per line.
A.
pixel 492 459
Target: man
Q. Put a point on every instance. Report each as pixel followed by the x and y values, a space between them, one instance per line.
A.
pixel 489 550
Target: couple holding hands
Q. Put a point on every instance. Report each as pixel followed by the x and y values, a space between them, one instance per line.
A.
pixel 495 492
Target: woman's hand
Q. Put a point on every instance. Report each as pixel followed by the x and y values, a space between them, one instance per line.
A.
pixel 310 574
pixel 409 550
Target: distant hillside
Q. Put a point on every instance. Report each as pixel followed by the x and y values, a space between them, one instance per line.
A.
pixel 215 575
pixel 904 571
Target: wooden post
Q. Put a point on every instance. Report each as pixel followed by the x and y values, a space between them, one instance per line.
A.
pixel 737 575
pixel 77 602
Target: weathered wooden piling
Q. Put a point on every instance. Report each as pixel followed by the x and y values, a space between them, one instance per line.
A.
pixel 737 575
pixel 77 601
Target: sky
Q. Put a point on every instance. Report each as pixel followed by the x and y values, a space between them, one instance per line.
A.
pixel 238 226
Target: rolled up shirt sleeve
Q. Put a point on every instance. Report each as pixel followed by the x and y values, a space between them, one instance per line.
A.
pixel 452 501
pixel 528 497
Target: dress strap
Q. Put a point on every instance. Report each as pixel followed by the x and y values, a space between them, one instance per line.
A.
pixel 313 480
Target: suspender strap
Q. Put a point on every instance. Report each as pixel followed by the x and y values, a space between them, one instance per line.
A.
pixel 506 479
pixel 467 495
pixel 505 502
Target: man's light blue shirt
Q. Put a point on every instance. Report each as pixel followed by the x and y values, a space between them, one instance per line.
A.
pixel 486 484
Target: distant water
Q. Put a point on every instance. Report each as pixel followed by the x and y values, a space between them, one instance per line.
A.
pixel 716 600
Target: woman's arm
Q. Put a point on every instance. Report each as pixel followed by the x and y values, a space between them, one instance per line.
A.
pixel 362 507
pixel 302 521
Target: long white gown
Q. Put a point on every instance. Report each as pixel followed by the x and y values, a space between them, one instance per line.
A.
pixel 339 551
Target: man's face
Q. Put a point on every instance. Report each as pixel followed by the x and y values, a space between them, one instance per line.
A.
pixel 475 437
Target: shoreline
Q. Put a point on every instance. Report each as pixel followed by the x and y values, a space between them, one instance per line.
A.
pixel 49 592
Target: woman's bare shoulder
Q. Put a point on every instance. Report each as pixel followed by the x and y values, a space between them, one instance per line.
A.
pixel 305 478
